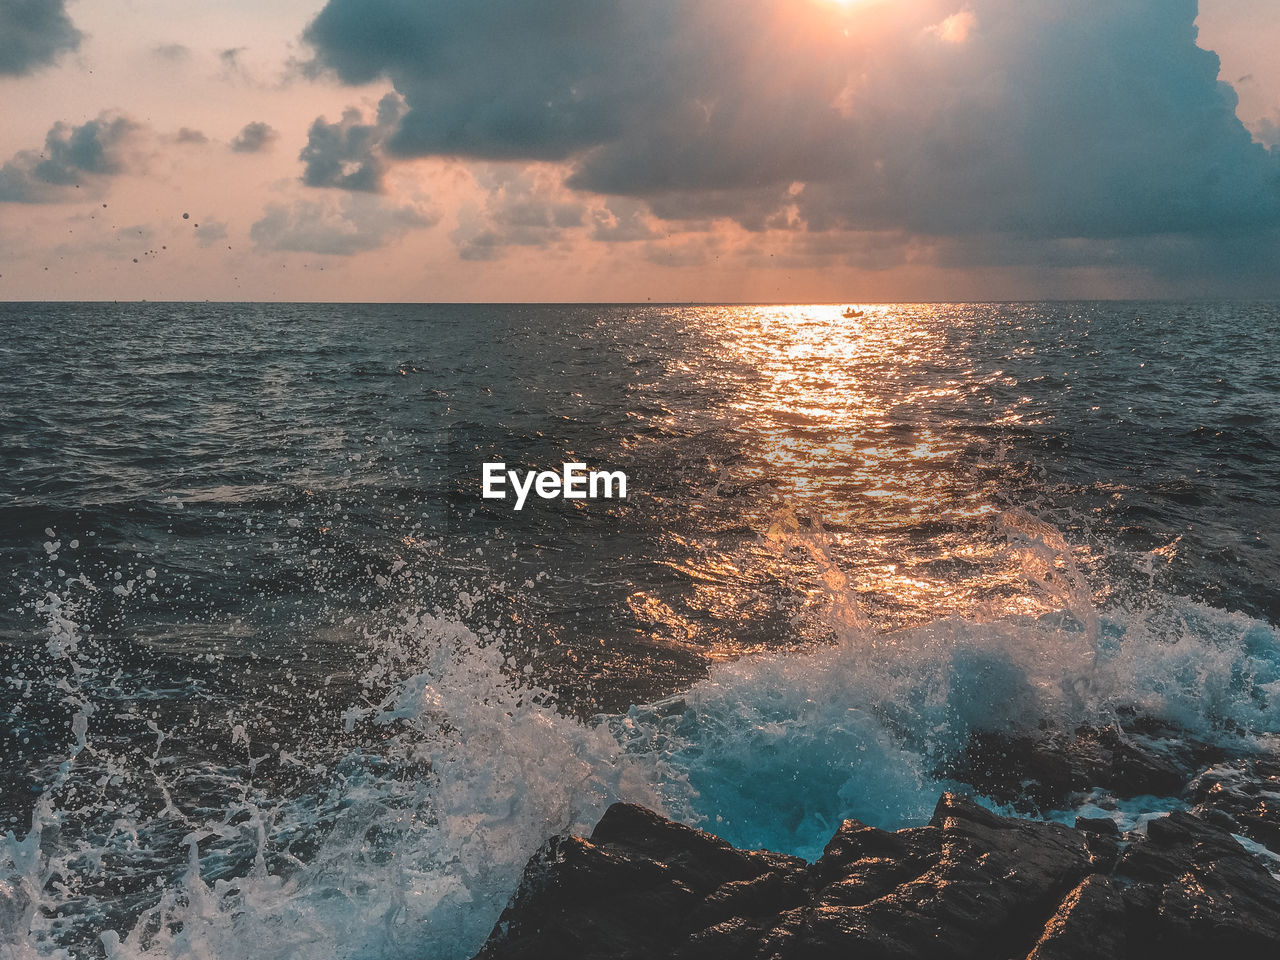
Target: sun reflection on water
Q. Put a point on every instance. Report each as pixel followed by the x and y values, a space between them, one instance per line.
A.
pixel 879 435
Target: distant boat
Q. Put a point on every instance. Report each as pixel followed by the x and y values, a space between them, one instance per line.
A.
pixel 854 313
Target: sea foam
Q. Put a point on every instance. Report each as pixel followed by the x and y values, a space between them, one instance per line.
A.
pixel 412 842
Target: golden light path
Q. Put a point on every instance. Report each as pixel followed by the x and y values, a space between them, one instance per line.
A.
pixel 874 436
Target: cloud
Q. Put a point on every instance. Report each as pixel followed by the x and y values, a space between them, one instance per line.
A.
pixel 523 207
pixel 72 154
pixel 1093 119
pixel 95 235
pixel 347 154
pixel 256 137
pixel 688 252
pixel 173 52
pixel 234 68
pixel 211 231
pixel 956 28
pixel 475 87
pixel 92 148
pixel 33 34
pixel 622 220
pixel 1267 131
pixel 354 224
pixel 191 136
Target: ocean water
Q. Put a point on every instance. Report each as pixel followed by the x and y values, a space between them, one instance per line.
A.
pixel 279 683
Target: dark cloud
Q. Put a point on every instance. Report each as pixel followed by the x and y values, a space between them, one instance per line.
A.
pixel 1095 119
pixel 71 155
pixel 757 209
pixel 33 33
pixel 347 154
pixel 16 185
pixel 496 78
pixel 255 137
pixel 355 224
pixel 860 250
pixel 341 154
pixel 188 135
pixel 93 148
pixel 1106 120
pixel 1181 261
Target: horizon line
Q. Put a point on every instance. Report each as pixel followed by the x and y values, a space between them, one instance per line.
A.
pixel 655 303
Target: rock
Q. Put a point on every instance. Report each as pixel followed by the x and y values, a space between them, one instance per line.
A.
pixel 1052 770
pixel 1099 825
pixel 1242 796
pixel 1192 887
pixel 632 889
pixel 970 884
pixel 1044 772
pixel 1090 924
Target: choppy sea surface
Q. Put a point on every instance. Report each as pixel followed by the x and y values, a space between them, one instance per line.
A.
pixel 278 682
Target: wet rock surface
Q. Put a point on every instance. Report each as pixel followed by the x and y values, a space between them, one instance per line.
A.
pixel 1242 796
pixel 970 884
pixel 1055 771
pixel 1051 771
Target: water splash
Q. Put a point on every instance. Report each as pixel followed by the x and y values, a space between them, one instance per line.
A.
pixel 418 843
pixel 773 751
pixel 407 835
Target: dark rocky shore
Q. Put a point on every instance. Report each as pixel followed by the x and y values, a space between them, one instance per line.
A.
pixel 970 884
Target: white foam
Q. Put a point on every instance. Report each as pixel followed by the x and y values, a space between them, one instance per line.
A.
pixel 423 844
pixel 416 842
pixel 777 749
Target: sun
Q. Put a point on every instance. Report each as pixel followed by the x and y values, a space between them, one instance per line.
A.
pixel 849 5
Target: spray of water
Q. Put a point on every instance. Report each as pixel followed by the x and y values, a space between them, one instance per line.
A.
pixel 409 835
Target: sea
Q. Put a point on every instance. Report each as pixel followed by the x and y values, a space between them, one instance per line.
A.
pixel 278 681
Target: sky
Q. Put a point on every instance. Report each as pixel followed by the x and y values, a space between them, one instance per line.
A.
pixel 626 150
